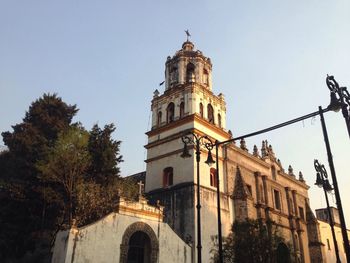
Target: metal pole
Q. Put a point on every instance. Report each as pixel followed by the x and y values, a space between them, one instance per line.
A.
pixel 199 238
pixel 218 202
pixel 344 109
pixel 331 223
pixel 335 185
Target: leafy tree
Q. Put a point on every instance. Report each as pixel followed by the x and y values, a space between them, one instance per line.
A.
pixel 52 172
pixel 104 151
pixel 66 165
pixel 250 242
pixel 95 200
pixel 26 210
pixel 44 120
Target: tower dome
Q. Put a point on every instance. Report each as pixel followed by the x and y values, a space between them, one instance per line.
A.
pixel 188 46
pixel 188 66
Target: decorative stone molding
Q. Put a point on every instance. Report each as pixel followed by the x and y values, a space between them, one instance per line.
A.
pixel 143 227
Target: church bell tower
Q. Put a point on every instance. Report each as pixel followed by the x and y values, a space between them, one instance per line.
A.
pixel 187 104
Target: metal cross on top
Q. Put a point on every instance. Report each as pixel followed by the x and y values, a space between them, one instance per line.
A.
pixel 187 34
pixel 141 185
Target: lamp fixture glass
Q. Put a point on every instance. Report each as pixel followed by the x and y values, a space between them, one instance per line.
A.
pixel 210 161
pixel 319 181
pixel 335 104
pixel 185 152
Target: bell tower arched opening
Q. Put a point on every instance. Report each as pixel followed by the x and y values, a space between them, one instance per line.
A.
pixel 210 111
pixel 170 112
pixel 190 74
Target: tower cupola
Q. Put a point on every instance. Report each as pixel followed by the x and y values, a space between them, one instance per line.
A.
pixel 188 65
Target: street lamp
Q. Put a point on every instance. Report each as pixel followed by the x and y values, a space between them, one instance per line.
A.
pixel 193 139
pixel 340 99
pixel 335 184
pixel 323 182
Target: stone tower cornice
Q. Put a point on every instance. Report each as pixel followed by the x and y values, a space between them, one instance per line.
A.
pixel 192 88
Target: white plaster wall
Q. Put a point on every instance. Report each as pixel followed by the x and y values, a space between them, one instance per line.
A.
pixel 209 222
pixel 100 242
pixel 63 245
pixel 183 171
pixel 326 233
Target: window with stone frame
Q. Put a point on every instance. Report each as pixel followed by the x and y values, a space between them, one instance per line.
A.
pixel 182 109
pixel 213 179
pixel 301 213
pixel 168 174
pixel 219 120
pixel 170 112
pixel 277 199
pixel 210 111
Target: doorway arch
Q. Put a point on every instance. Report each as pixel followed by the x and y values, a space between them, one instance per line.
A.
pixel 139 244
pixel 282 253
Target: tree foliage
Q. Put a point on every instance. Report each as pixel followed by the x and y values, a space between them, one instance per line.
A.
pixel 66 164
pixel 104 151
pixel 251 241
pixel 54 170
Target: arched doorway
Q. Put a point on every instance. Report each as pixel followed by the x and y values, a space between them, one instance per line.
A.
pixel 282 254
pixel 139 248
pixel 139 244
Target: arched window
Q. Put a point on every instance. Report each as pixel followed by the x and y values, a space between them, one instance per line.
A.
pixel 205 77
pixel 182 109
pixel 219 120
pixel 170 112
pixel 159 119
pixel 210 114
pixel 201 113
pixel 213 179
pixel 173 75
pixel 190 75
pixel 273 172
pixel 168 176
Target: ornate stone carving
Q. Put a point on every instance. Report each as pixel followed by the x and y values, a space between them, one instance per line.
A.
pixel 255 151
pixel 243 145
pixel 290 171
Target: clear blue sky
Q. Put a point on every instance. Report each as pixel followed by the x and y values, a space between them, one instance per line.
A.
pixel 270 59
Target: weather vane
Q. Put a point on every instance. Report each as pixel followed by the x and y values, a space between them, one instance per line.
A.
pixel 187 34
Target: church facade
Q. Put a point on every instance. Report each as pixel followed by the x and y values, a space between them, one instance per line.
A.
pixel 253 185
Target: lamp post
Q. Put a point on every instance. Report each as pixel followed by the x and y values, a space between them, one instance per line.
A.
pixel 198 141
pixel 335 185
pixel 322 181
pixel 342 101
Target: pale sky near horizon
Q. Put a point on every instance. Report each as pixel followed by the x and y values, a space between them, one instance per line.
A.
pixel 270 60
